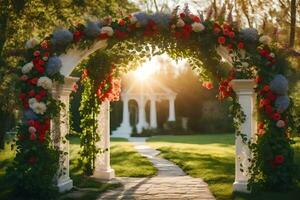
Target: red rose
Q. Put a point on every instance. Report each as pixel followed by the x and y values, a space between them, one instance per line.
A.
pixel 37 53
pixel 103 36
pixel 276 116
pixel 31 93
pixel 177 34
pixel 222 40
pixel 241 45
pixel 34 81
pixel 121 22
pixel 46 54
pixel 271 96
pixel 230 46
pixel 207 85
pixel 30 122
pixel 196 19
pixel 43 93
pixel 258 79
pixel 22 96
pixel 278 160
pixel 77 35
pixel 32 136
pixel 269 109
pixel 182 15
pixel 39 69
pixel 42 137
pixel 261 125
pixel 266 88
pixel 38 97
pixel 217 30
pixel 264 52
pixel 231 34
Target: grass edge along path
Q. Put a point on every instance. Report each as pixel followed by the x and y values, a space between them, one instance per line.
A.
pixel 211 157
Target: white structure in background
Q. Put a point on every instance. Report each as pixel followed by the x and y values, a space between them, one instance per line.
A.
pixel 141 91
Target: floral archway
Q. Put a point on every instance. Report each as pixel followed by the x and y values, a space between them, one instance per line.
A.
pixel 219 51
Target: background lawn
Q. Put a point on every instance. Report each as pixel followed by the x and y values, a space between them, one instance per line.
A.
pixel 211 157
pixel 124 158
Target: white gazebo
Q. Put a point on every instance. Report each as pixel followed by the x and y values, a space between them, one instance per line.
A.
pixel 142 91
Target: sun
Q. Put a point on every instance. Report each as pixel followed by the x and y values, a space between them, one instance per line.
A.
pixel 146 70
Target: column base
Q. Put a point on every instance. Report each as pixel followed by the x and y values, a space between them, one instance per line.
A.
pixel 65 185
pixel 123 131
pixel 240 186
pixel 104 174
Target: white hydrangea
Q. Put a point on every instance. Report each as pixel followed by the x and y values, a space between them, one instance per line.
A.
pixel 39 108
pixel 180 23
pixel 198 27
pixel 31 43
pixel 27 68
pixel 133 20
pixel 45 82
pixel 31 101
pixel 265 39
pixel 108 30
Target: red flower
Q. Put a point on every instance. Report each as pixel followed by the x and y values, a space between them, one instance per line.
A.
pixel 34 81
pixel 269 109
pixel 30 123
pixel 22 96
pixel 38 97
pixel 46 54
pixel 276 116
pixel 182 15
pixel 264 52
pixel 196 19
pixel 103 36
pixel 121 22
pixel 177 34
pixel 32 136
pixel 120 34
pixel 42 137
pixel 271 96
pixel 231 34
pixel 266 88
pixel 77 35
pixel 31 93
pixel 258 79
pixel 37 53
pixel 222 40
pixel 278 160
pixel 43 93
pixel 39 69
pixel 241 45
pixel 207 85
pixel 230 46
pixel 261 125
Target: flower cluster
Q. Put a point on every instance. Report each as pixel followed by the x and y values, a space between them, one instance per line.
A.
pixel 109 89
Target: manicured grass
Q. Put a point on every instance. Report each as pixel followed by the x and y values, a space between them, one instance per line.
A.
pixel 124 158
pixel 211 157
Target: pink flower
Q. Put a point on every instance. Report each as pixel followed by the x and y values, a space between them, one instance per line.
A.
pixel 37 53
pixel 31 129
pixel 280 124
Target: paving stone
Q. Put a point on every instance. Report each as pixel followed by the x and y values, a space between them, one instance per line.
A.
pixel 171 181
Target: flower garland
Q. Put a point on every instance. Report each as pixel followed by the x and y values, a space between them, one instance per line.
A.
pixel 249 53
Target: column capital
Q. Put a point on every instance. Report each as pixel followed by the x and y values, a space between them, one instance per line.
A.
pixel 243 86
pixel 66 88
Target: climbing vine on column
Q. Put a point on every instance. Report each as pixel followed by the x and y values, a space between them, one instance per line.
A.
pixel 100 84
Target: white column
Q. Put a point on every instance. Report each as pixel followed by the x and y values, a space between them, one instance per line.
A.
pixel 142 120
pixel 125 121
pixel 59 129
pixel 171 109
pixel 103 169
pixel 247 99
pixel 153 114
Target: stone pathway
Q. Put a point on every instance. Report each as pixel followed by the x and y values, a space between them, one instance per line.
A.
pixel 170 183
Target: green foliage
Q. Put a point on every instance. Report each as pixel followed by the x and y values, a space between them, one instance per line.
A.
pixel 89 111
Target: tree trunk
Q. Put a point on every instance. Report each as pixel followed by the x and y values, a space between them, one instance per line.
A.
pixel 293 23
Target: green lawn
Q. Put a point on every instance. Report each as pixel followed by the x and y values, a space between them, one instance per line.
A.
pixel 211 157
pixel 124 158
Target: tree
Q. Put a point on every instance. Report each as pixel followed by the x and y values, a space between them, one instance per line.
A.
pixel 21 20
